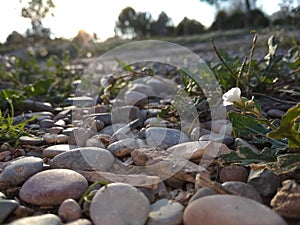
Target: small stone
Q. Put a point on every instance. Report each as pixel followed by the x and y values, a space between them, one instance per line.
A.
pixel 47 123
pixel 60 123
pixel 62 114
pixel 5 155
pixel 197 149
pixel 54 150
pixel 242 189
pixel 80 222
pixel 217 138
pixel 81 101
pixel 124 204
pixel 104 117
pixel 95 141
pixel 164 212
pixel 20 170
pixel 135 98
pixel 47 219
pixel 25 140
pixel 202 192
pixel 142 88
pixel 52 187
pixel 239 143
pixel 287 200
pixel 229 210
pixel 86 158
pixel 157 136
pixel 80 136
pixel 111 129
pixel 6 208
pixel 233 173
pixel 37 106
pixel 69 210
pixel 55 138
pixel 123 147
pixel 55 130
pixel 23 211
pixel 124 114
pixel 275 113
pixel 265 181
pixel 156 122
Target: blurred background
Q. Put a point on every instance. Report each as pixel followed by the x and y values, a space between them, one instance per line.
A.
pixel 82 24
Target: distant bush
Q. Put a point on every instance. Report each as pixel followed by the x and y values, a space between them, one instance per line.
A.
pixel 189 27
pixel 239 19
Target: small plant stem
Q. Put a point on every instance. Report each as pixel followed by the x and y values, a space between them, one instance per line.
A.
pixel 221 59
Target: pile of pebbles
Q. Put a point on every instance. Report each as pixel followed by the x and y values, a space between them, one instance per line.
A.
pixel 150 170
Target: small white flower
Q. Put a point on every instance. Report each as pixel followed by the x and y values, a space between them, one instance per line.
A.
pixel 231 96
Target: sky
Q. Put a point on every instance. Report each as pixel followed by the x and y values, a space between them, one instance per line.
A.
pixel 99 16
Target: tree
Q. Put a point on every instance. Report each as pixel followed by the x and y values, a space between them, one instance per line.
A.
pixel 36 11
pixel 131 24
pixel 163 26
pixel 189 27
pixel 125 24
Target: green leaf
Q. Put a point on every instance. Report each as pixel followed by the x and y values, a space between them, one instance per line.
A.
pixel 246 156
pixel 124 65
pixel 289 128
pixel 287 162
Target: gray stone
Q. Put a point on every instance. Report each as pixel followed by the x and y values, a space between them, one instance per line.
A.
pixel 275 113
pixel 242 189
pixel 37 106
pixel 6 208
pixel 124 114
pixel 156 122
pixel 202 192
pixel 142 88
pixel 25 140
pixel 55 130
pixel 54 150
pixel 62 114
pixel 265 181
pixel 162 87
pixel 135 98
pixel 239 143
pixel 95 141
pixel 86 158
pixel 229 210
pixel 55 138
pixel 195 150
pixel 80 222
pixel 47 123
pixel 124 204
pixel 123 147
pixel 60 123
pixel 20 170
pixel 164 212
pixel 69 210
pixel 157 136
pixel 47 219
pixel 52 187
pixel 104 117
pixel 111 129
pixel 80 136
pixel 81 101
pixel 227 140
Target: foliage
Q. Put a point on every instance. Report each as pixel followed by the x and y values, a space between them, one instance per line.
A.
pixel 9 131
pixel 28 78
pixel 252 76
pixel 189 27
pixel 36 11
pixel 289 128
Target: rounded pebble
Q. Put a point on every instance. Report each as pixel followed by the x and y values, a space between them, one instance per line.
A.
pixel 19 171
pixel 69 210
pixel 164 212
pixel 47 219
pixel 86 158
pixel 229 210
pixel 54 150
pixel 51 187
pixel 124 204
pixel 233 173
